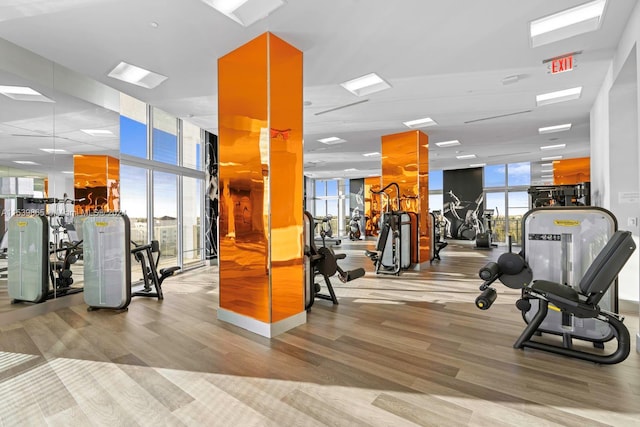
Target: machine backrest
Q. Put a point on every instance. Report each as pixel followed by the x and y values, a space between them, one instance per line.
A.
pixel 384 232
pixel 605 268
pixel 310 233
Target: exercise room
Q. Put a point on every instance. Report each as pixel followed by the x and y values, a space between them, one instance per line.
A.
pixel 291 212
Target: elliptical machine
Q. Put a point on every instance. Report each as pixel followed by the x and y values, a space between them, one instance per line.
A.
pixel 354 225
pixel 393 247
pixel 484 239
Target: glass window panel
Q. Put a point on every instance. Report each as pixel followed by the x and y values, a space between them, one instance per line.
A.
pixel 191 222
pixel 518 205
pixel 321 209
pixel 332 210
pixel 332 188
pixel 435 180
pixel 133 126
pixel 165 225
pixel 494 176
pixel 496 201
pixel 320 188
pixel 435 202
pixel 165 137
pixel 191 146
pixel 519 174
pixel 133 201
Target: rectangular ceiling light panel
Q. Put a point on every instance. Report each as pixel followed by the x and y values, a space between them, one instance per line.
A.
pixel 558 96
pixel 371 154
pixel 553 147
pixel 448 143
pixel 365 85
pixel 551 158
pixel 53 150
pixel 568 23
pixel 466 156
pixel 332 140
pixel 552 129
pixel 420 123
pixel 98 132
pixel 245 12
pixel 136 75
pixel 23 93
pixel 25 162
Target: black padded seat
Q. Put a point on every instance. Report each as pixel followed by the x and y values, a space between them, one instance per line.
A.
pixel 169 270
pixel 560 295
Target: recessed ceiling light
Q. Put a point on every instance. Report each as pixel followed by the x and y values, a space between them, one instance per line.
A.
pixel 568 23
pixel 332 140
pixel 466 156
pixel 136 75
pixel 53 150
pixel 23 93
pixel 371 154
pixel 351 170
pixel 98 132
pixel 420 123
pixel 552 129
pixel 25 162
pixel 365 85
pixel 553 147
pixel 452 143
pixel 477 165
pixel 558 96
pixel 546 170
pixel 245 12
pixel 546 176
pixel 546 164
pixel 551 158
pixel 67 172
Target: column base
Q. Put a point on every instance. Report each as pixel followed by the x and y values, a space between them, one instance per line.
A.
pixel 268 330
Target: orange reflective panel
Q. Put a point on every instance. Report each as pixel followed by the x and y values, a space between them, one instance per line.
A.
pixel 260 179
pixel 572 171
pixel 405 161
pixel 96 183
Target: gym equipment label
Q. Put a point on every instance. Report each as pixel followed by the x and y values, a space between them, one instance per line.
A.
pixel 546 237
pixel 566 222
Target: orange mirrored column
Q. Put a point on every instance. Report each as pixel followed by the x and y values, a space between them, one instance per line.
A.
pixel 96 181
pixel 572 171
pixel 261 186
pixel 405 161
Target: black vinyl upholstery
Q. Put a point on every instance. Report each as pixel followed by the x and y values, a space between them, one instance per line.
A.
pixel 605 268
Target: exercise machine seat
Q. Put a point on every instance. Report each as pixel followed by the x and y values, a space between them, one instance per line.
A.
pixel 324 262
pixel 561 296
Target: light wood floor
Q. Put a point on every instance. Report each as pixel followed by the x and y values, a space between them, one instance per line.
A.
pixel 401 351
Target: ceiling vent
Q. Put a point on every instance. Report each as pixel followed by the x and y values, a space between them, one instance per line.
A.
pixel 497 117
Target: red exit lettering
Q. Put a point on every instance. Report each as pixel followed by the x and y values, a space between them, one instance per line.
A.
pixel 561 65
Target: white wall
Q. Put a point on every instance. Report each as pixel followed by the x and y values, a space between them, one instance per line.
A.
pixel 615 148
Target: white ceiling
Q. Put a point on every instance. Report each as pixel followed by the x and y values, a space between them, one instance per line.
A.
pixel 443 59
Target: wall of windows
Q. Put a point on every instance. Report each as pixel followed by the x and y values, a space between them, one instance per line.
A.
pixel 162 183
pixel 329 199
pixel 505 189
pixel 436 185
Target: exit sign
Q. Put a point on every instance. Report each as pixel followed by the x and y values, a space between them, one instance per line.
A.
pixel 560 65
